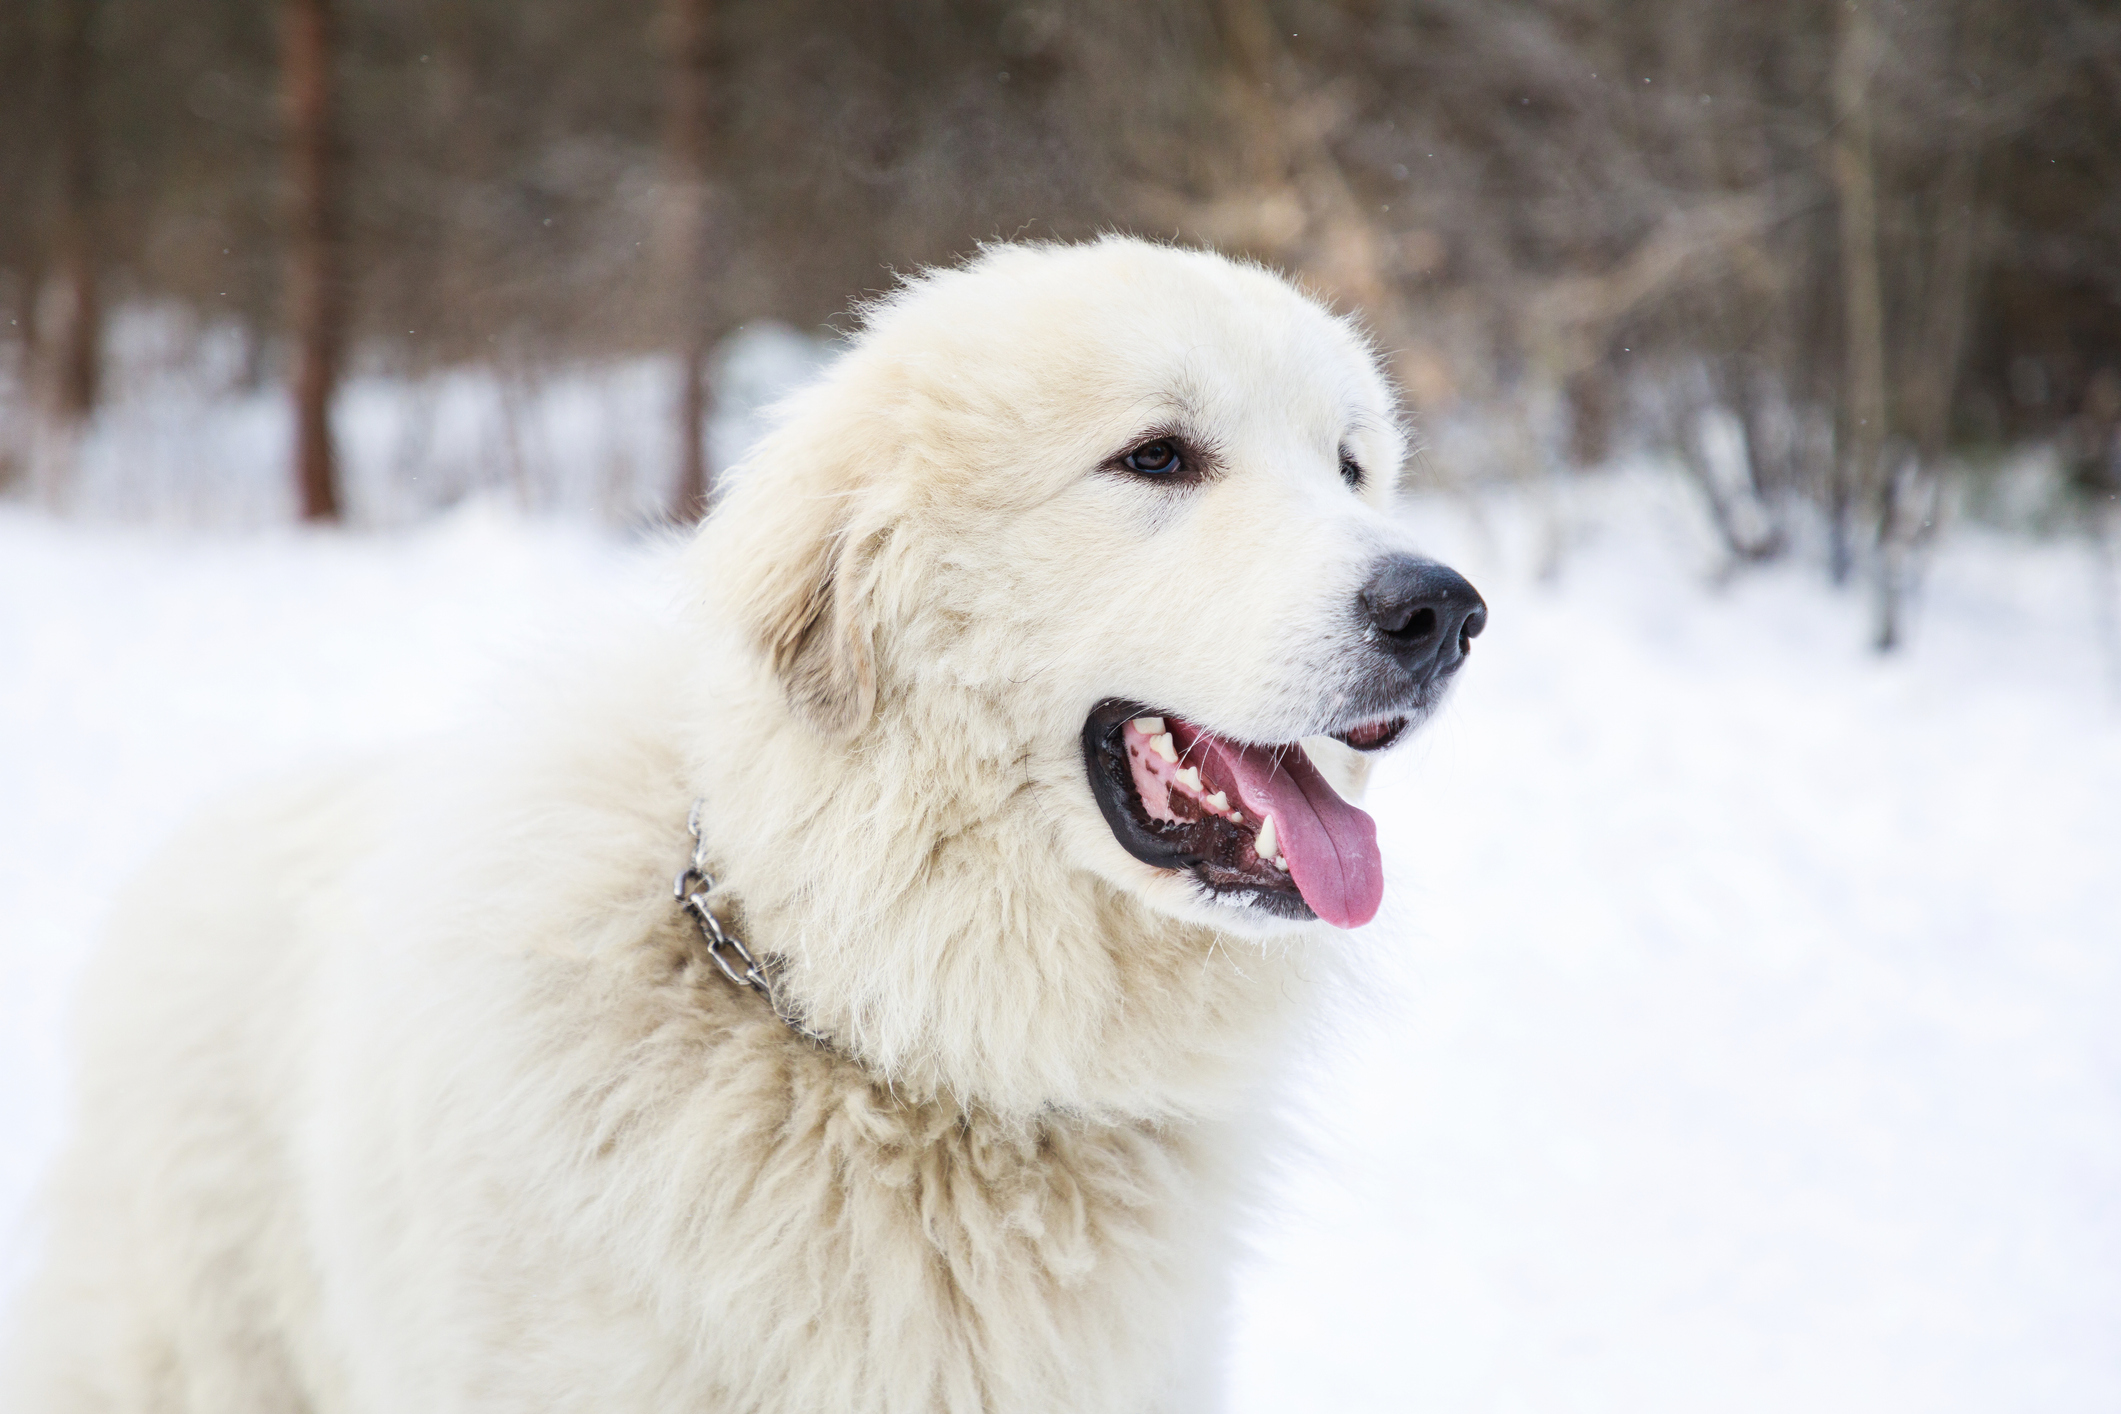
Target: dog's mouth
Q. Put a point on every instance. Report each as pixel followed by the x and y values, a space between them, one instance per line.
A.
pixel 1255 823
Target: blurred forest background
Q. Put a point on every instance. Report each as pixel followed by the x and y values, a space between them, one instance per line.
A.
pixel 1739 1033
pixel 1831 258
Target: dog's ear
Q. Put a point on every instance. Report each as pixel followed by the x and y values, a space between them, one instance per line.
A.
pixel 817 641
pixel 784 554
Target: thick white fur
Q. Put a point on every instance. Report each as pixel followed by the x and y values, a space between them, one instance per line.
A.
pixel 407 1088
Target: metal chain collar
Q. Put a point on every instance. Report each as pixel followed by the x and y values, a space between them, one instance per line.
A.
pixel 694 885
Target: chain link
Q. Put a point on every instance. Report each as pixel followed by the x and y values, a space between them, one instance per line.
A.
pixel 693 886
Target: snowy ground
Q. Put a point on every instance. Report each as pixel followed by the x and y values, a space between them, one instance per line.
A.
pixel 1746 1036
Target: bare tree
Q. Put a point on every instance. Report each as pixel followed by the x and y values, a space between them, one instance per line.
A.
pixel 1863 302
pixel 1900 224
pixel 316 308
pixel 1932 367
pixel 687 197
pixel 75 327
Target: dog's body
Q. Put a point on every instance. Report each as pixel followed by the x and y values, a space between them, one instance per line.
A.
pixel 410 1088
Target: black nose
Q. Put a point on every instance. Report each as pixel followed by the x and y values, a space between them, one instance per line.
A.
pixel 1426 613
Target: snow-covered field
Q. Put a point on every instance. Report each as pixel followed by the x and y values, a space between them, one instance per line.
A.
pixel 1748 1028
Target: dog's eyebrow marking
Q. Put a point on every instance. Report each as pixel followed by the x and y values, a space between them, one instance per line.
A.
pixel 1359 422
pixel 1188 397
pixel 1183 401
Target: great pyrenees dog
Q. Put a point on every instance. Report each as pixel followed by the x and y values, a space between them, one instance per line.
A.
pixel 1025 675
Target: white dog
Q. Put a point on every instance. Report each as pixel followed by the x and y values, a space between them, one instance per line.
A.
pixel 412 1089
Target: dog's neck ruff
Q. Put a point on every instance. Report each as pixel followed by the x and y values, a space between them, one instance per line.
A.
pixel 694 887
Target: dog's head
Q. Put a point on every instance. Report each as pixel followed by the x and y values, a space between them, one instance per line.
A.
pixel 1109 521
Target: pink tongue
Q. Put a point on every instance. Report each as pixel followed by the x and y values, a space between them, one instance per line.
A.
pixel 1331 846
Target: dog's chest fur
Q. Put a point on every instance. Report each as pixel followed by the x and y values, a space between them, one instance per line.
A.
pixel 645 1175
pixel 791 1235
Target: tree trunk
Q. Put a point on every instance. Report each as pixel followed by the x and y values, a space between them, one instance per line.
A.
pixel 1766 458
pixel 1950 290
pixel 689 40
pixel 315 302
pixel 1932 368
pixel 1933 373
pixel 1863 304
pixel 1840 498
pixel 1740 516
pixel 1591 400
pixel 75 343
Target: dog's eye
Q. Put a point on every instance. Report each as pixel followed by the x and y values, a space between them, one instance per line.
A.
pixel 1350 472
pixel 1158 458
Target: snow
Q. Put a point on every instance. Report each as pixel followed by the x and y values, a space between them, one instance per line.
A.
pixel 1751 1042
pixel 187 441
pixel 1744 1030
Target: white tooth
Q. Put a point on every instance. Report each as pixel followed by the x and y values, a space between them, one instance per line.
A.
pixel 1148 726
pixel 1188 776
pixel 1161 745
pixel 1218 802
pixel 1237 817
pixel 1281 862
pixel 1264 845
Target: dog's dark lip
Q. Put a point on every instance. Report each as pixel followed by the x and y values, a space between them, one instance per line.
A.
pixel 1377 735
pixel 1112 786
pixel 1163 846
